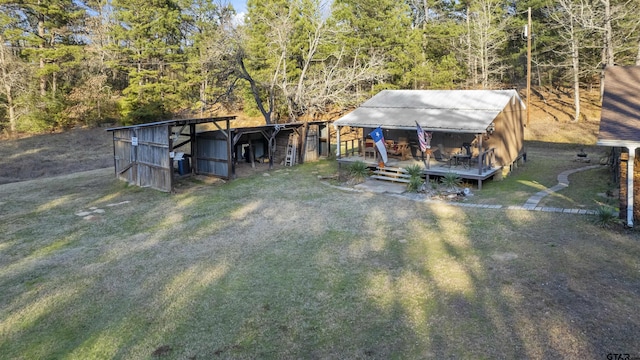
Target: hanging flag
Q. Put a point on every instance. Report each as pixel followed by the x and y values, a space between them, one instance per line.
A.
pixel 378 138
pixel 421 139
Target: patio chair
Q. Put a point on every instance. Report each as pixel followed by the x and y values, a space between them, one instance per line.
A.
pixel 370 149
pixel 467 148
pixel 403 149
pixel 442 156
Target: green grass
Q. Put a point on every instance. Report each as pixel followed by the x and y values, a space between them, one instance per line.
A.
pixel 587 189
pixel 544 163
pixel 284 266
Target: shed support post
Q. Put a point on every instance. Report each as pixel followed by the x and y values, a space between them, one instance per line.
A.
pixel 630 176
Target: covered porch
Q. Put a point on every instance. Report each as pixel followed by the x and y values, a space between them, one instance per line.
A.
pixel 479 169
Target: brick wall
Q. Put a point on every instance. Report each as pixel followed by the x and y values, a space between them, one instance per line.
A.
pixel 624 159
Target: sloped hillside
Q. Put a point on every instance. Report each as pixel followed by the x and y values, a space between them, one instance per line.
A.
pixel 552 116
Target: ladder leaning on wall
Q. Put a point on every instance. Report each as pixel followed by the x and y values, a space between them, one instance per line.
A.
pixel 290 159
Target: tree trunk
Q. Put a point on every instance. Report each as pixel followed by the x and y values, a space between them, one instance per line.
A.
pixel 244 74
pixel 607 50
pixel 469 61
pixel 575 64
pixel 41 34
pixel 10 104
pixel 8 90
pixel 425 5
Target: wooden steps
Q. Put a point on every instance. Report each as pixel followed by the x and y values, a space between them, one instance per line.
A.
pixel 391 174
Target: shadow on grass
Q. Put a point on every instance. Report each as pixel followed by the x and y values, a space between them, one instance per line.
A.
pixel 284 267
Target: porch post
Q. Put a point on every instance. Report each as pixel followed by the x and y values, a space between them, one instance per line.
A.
pixel 337 141
pixel 480 154
pixel 630 176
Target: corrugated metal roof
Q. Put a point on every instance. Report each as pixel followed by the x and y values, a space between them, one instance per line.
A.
pixel 434 110
pixel 620 116
pixel 174 122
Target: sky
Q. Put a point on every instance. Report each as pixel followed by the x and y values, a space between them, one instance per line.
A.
pixel 239 5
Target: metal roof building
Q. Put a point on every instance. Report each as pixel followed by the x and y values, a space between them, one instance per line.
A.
pixel 489 124
pixel 463 111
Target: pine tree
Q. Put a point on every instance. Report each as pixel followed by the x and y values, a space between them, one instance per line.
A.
pixel 376 27
pixel 47 33
pixel 147 33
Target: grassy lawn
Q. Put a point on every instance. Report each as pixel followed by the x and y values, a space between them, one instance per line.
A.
pixel 284 266
pixel 544 162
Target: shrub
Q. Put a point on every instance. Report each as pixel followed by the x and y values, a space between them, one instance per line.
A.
pixel 606 217
pixel 415 180
pixel 414 170
pixel 415 184
pixel 451 181
pixel 358 171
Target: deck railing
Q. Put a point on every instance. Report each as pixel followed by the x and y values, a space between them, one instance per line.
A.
pixel 486 160
pixel 350 147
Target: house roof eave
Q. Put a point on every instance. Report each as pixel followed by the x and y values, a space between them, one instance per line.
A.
pixel 618 143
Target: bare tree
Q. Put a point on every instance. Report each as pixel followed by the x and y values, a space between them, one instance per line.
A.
pixel 13 80
pixel 566 16
pixel 333 81
pixel 487 26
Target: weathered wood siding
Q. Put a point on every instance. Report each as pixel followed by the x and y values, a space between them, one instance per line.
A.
pixel 212 154
pixel 508 137
pixel 142 156
pixel 313 144
pixel 280 153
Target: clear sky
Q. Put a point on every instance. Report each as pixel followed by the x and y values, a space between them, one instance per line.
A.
pixel 239 5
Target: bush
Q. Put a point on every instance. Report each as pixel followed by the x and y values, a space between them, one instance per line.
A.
pixel 141 112
pixel 358 171
pixel 415 180
pixel 414 170
pixel 451 181
pixel 606 217
pixel 415 184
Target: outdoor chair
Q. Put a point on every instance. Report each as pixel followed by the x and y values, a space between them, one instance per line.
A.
pixel 370 149
pixel 467 148
pixel 401 148
pixel 442 156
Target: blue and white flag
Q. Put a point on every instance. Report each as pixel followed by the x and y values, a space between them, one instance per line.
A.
pixel 378 138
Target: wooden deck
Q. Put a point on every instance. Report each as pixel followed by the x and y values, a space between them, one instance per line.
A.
pixel 436 168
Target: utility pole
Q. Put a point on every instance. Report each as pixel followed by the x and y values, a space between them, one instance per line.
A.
pixel 529 34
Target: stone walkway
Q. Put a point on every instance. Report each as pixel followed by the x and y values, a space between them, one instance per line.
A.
pixel 399 190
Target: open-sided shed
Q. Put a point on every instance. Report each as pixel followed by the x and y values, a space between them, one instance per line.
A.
pixel 146 155
pixel 489 123
pixel 620 129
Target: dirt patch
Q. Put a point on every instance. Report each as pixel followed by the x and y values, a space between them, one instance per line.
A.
pixel 552 117
pixel 55 154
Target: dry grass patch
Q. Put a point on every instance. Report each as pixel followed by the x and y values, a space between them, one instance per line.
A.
pixel 286 267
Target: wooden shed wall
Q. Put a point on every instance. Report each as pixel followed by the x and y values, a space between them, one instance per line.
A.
pixel 212 154
pixel 313 143
pixel 147 163
pixel 282 139
pixel 508 137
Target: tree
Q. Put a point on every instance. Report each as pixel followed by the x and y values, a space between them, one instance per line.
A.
pixel 13 74
pixel 571 34
pixel 46 33
pixel 149 38
pixel 374 28
pixel 487 24
pixel 210 48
